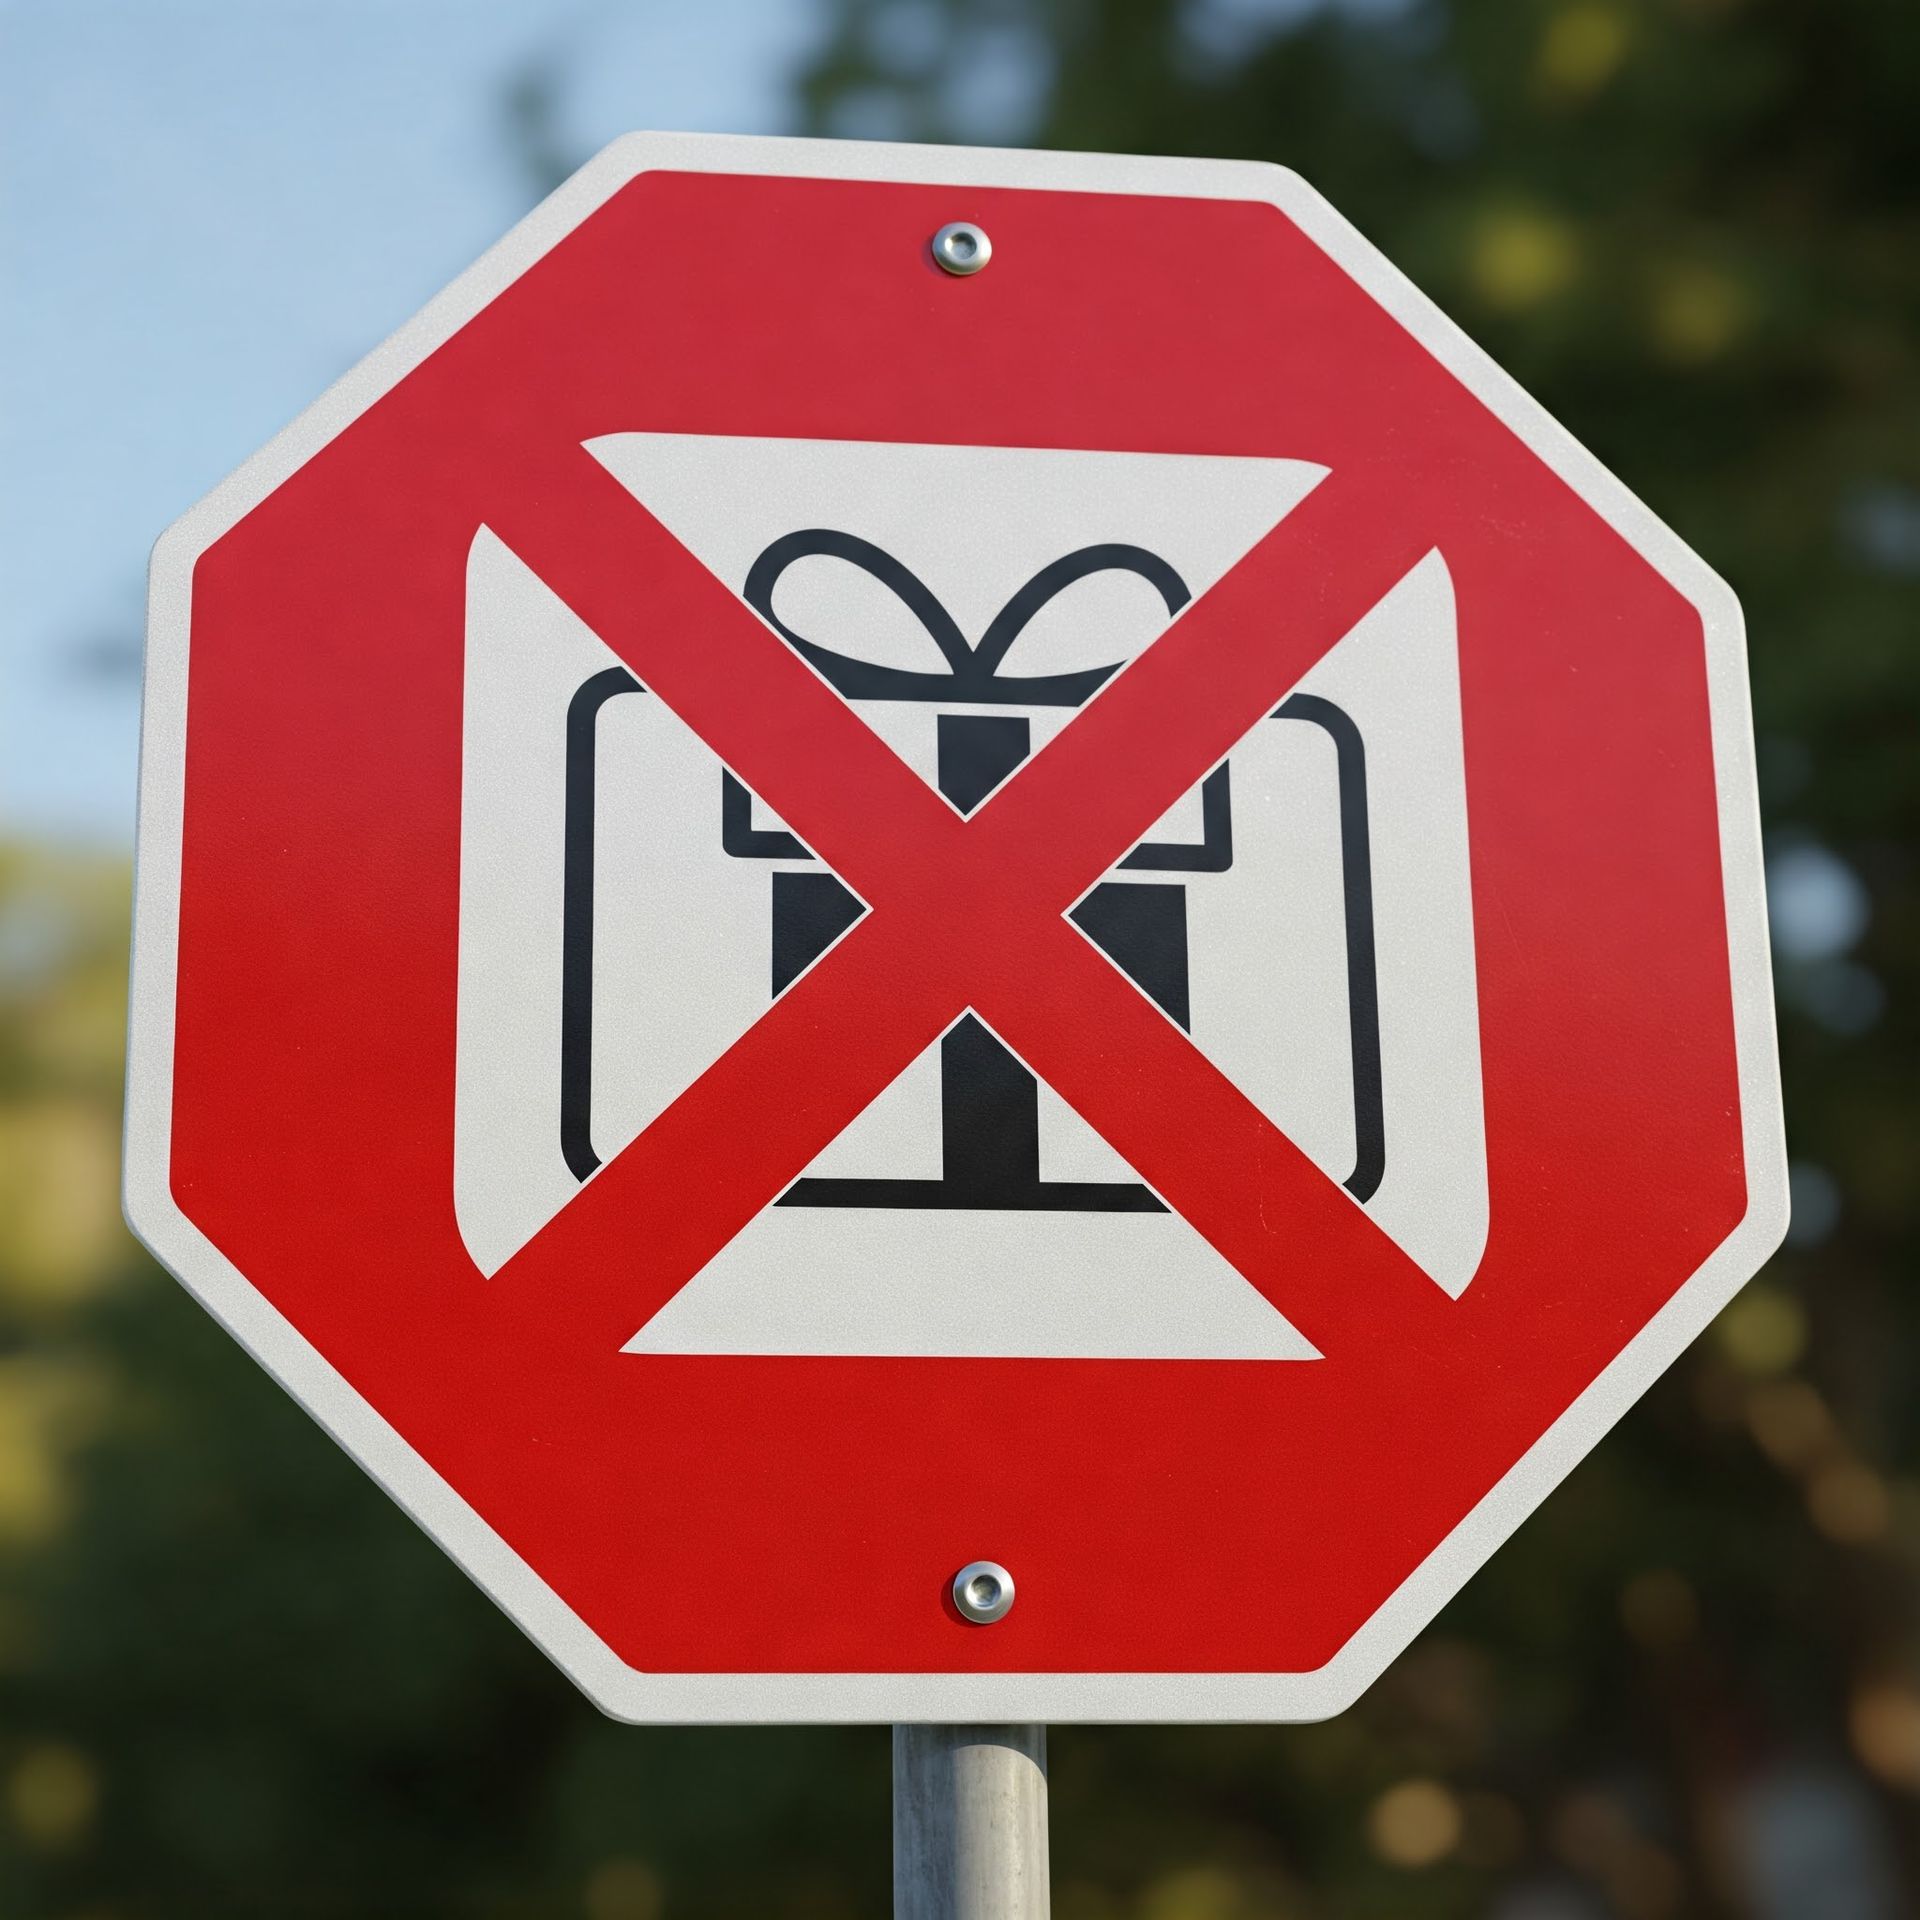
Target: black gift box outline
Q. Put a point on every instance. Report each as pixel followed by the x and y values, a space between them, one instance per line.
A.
pixel 972 678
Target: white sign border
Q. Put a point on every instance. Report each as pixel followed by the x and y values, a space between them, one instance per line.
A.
pixel 666 1698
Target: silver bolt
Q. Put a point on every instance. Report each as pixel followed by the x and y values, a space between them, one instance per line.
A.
pixel 961 247
pixel 983 1591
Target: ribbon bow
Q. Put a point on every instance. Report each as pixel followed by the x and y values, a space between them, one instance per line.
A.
pixel 972 672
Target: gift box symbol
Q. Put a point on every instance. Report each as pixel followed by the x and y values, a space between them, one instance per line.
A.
pixel 650 950
pixel 990 1134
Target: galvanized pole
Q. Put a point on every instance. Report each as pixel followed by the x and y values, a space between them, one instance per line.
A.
pixel 970 1823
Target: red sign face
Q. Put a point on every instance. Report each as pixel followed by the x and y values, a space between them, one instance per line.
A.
pixel 755 1511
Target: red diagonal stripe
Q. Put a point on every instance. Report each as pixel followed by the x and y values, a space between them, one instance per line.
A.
pixel 1204 1147
pixel 697 646
pixel 965 913
pixel 661 1208
pixel 1080 805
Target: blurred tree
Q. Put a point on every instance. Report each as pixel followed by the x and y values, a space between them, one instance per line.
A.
pixel 1691 228
pixel 234 1680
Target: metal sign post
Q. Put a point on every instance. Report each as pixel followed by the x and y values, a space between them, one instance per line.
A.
pixel 970 1823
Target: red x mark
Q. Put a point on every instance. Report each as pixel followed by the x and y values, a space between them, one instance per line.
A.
pixel 965 913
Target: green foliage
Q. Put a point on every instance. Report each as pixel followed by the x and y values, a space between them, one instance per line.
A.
pixel 1691 228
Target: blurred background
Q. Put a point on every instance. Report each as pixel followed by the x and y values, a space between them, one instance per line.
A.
pixel 234 1681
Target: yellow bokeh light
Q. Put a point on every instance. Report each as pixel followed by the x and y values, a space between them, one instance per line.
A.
pixel 1884 1721
pixel 1791 1424
pixel 1764 1332
pixel 52 1792
pixel 1520 258
pixel 61 1239
pixel 1582 49
pixel 1195 1893
pixel 1696 314
pixel 1849 1503
pixel 1416 1824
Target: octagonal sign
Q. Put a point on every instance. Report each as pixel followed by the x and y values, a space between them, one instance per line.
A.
pixel 809 914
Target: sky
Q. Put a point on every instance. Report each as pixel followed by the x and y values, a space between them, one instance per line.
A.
pixel 209 209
